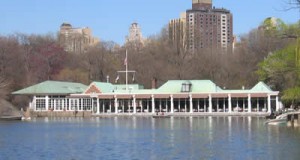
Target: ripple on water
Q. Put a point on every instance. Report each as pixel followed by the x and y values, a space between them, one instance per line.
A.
pixel 147 138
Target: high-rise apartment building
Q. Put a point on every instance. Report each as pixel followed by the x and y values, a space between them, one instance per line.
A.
pixel 76 40
pixel 177 31
pixel 206 28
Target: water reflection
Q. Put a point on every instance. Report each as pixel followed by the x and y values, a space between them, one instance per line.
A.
pixel 148 138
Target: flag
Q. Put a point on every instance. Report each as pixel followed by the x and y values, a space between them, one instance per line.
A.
pixel 133 77
pixel 125 60
pixel 118 77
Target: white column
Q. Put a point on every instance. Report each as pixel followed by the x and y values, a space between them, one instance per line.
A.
pixel 224 108
pixel 123 106
pixel 141 105
pixel 209 103
pixel 103 106
pixel 160 106
pixel 269 103
pixel 172 104
pixel 34 103
pixel 147 105
pixel 205 106
pixel 167 107
pixel 116 105
pixel 249 104
pixel 179 107
pixel 191 103
pixel 98 106
pixel 110 106
pixel 134 104
pixel 54 104
pixel 185 106
pixel 277 103
pixel 265 102
pixel 243 104
pixel 198 107
pixel 153 104
pixel 47 103
pixel 217 105
pixel 229 103
pixel 257 105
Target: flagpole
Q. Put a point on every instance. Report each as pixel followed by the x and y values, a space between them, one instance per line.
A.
pixel 126 71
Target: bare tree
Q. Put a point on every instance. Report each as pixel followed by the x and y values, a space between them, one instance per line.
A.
pixel 293 4
pixel 4 86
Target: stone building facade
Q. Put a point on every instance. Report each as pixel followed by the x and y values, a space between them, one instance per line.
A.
pixel 76 40
pixel 135 38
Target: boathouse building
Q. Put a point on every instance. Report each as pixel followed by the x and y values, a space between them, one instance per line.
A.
pixel 175 96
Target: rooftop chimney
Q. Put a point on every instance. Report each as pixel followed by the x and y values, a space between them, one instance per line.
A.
pixel 154 83
pixel 201 4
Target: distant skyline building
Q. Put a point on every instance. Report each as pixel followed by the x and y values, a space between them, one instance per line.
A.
pixel 76 40
pixel 177 31
pixel 206 27
pixel 135 38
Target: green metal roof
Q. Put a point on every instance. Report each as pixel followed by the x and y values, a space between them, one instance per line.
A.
pixel 170 87
pixel 259 87
pixel 198 86
pixel 130 86
pixel 117 88
pixel 52 87
pixel 104 87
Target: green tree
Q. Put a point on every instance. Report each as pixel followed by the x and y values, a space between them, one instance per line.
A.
pixel 291 96
pixel 279 69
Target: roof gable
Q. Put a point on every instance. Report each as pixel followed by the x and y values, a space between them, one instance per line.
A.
pixel 103 87
pixel 92 89
pixel 261 87
pixel 52 87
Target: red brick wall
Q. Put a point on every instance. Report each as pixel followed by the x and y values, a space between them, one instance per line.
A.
pixel 93 89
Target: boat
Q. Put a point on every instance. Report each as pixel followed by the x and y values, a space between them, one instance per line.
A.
pixel 10 118
pixel 281 119
pixel 161 116
pixel 26 118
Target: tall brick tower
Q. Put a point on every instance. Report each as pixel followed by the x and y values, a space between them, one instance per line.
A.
pixel 208 28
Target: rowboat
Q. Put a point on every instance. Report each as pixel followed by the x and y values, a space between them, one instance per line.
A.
pixel 161 116
pixel 10 118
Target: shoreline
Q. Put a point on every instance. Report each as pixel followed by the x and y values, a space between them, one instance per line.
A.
pixel 88 114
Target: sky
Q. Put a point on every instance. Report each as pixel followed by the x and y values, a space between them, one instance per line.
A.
pixel 110 19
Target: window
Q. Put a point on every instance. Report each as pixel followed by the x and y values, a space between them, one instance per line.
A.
pixel 87 104
pixel 186 87
pixel 40 104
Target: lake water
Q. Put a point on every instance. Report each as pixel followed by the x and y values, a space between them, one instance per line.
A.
pixel 148 138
